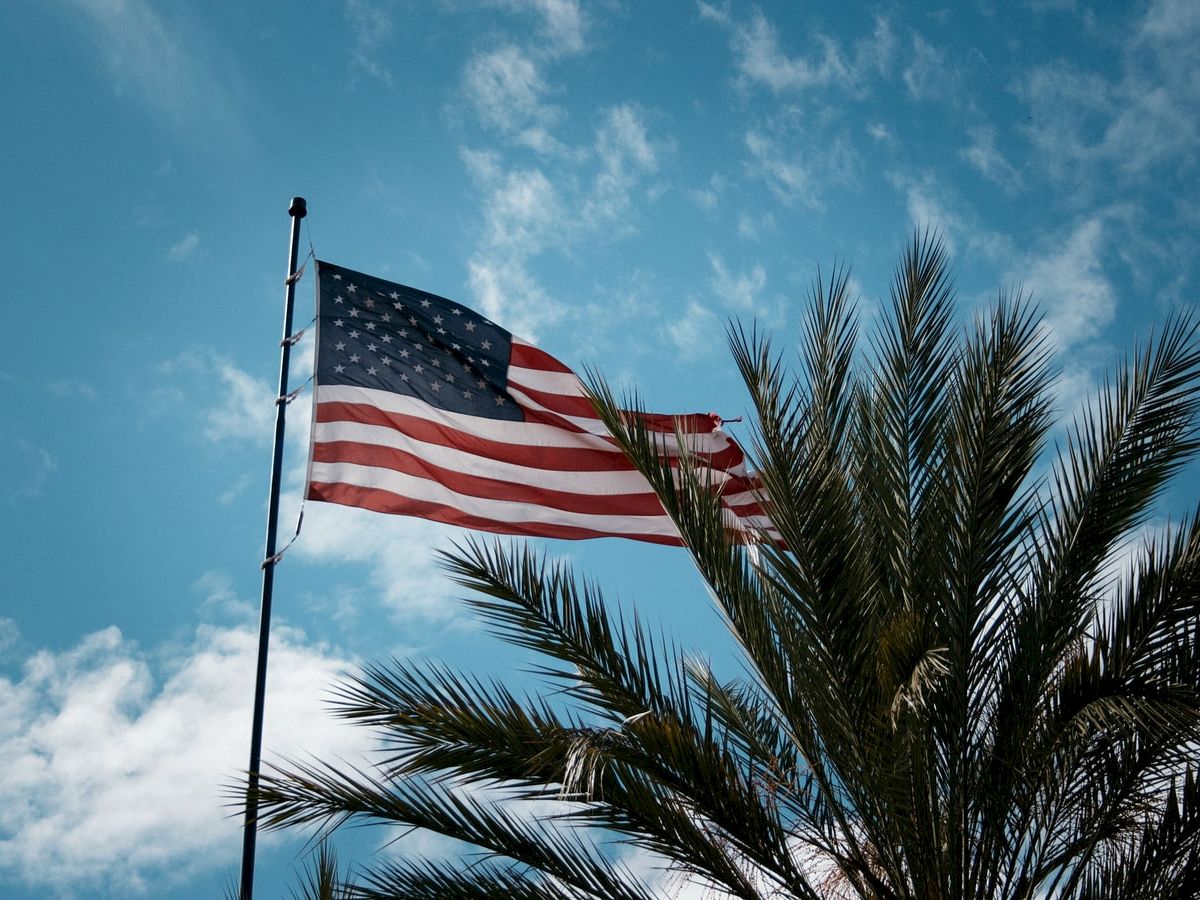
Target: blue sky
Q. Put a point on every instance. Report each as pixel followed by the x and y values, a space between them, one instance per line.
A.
pixel 615 180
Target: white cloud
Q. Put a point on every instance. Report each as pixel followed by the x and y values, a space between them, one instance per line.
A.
pixel 1086 125
pixel 170 64
pixel 986 158
pixel 246 412
pixel 739 290
pixel 698 332
pixel 9 633
pixel 761 60
pixel 113 762
pixel 1070 285
pixel 625 154
pixel 372 25
pixel 506 89
pixel 927 75
pixel 787 174
pixel 31 468
pixel 563 23
pixel 185 248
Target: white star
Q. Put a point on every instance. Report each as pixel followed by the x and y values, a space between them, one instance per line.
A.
pixel 403 332
pixel 441 331
pixel 354 313
pixel 340 323
pixel 481 383
pixel 435 387
pixel 337 277
pixel 418 369
pixel 369 304
pixel 370 326
pixel 425 304
pixel 437 363
pixel 386 317
pixel 339 369
pixel 397 306
pixel 387 361
pixel 387 338
pixel 456 311
pixel 470 326
pixel 456 347
pixel 450 379
pixel 437 320
pixel 354 357
pixel 352 288
pixel 394 295
pixel 404 376
pixel 412 320
pixel 499 400
pixel 372 347
pixel 404 354
pixel 467 395
pixel 486 345
pixel 340 345
pixel 484 362
pixel 353 334
pixel 338 299
pixel 372 370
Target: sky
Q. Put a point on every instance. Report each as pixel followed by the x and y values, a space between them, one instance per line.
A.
pixel 614 180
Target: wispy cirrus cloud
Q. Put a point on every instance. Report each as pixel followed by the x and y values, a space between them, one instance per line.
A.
pixel 761 59
pixel 168 62
pixel 506 88
pixel 371 25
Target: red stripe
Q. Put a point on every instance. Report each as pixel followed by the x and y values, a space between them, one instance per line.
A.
pixel 643 504
pixel 563 404
pixel 527 357
pixel 386 502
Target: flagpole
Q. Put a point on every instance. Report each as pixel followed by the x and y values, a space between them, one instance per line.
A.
pixel 297 210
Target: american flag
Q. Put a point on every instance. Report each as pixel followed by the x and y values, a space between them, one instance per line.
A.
pixel 425 408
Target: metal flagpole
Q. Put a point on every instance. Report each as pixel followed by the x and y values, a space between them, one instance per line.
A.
pixel 297 211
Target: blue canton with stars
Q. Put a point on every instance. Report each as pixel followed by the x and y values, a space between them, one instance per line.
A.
pixel 375 334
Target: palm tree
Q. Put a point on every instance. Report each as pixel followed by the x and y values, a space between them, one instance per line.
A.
pixel 962 679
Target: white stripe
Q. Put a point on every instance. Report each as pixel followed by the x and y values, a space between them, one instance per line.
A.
pixel 564 383
pixel 501 511
pixel 527 433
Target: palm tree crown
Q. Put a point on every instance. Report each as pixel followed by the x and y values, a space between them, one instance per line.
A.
pixel 951 687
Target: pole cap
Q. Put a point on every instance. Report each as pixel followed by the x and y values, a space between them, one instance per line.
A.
pixel 298 209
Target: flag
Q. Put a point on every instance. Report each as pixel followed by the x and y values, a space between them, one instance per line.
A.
pixel 422 407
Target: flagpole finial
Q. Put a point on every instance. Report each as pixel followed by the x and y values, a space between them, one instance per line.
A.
pixel 298 209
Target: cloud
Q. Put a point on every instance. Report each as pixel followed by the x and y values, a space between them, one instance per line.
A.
pixel 506 89
pixel 1069 284
pixel 185 248
pixel 397 553
pixel 563 23
pixel 1140 121
pixel 760 59
pixel 984 157
pixel 246 412
pixel 170 65
pixel 698 332
pixel 739 290
pixel 927 75
pixel 371 25
pixel 797 174
pixel 527 211
pixel 30 469
pixel 625 155
pixel 113 760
